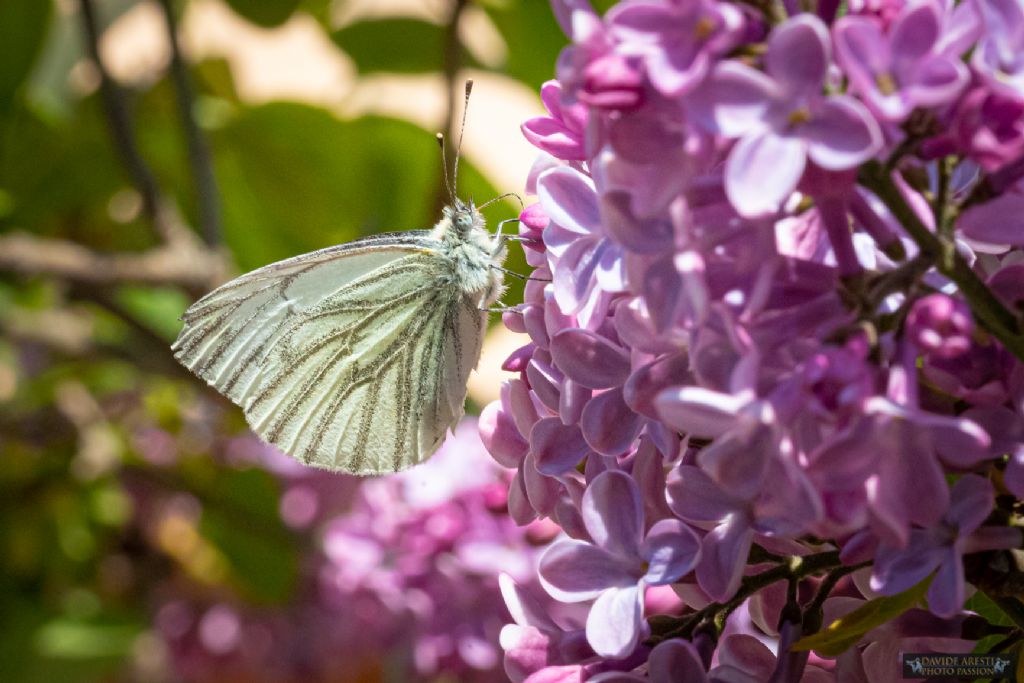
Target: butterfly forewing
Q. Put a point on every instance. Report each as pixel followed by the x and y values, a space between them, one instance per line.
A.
pixel 352 358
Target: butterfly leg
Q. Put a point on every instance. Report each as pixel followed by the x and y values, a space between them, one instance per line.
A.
pixel 520 275
pixel 503 309
pixel 501 239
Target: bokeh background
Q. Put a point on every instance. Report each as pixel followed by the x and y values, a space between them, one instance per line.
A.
pixel 149 150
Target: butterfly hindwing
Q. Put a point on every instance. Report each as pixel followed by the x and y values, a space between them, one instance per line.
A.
pixel 352 358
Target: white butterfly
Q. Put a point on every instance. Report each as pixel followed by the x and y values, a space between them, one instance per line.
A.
pixel 355 357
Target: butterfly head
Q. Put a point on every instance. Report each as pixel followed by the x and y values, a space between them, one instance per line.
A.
pixel 463 217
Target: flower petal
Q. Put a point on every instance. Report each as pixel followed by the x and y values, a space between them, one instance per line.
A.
pixel 651 236
pixel 938 80
pixel 799 54
pixel 543 491
pixel 676 661
pixel 1015 472
pixel 609 426
pixel 842 134
pixel 914 34
pixel 746 653
pixel 897 569
pixel 694 496
pixel 572 401
pixel 762 171
pixel 946 594
pixel 613 513
pixel 738 460
pixel 724 553
pixel 862 50
pixel 698 411
pixel 733 100
pixel 574 571
pixel 575 275
pixel 527 650
pixel 671 549
pixel 524 607
pixel 500 436
pixel 647 381
pixel 569 199
pixel 661 289
pixel 552 136
pixel 590 359
pixel 558 448
pixel 545 379
pixel 520 509
pixel 970 502
pixel 613 625
pixel 999 221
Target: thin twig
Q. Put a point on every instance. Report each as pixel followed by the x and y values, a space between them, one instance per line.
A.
pixel 794 568
pixel 121 129
pixel 939 208
pixel 181 264
pixel 986 307
pixel 200 161
pixel 813 613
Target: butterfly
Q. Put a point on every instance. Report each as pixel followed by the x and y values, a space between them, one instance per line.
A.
pixel 354 358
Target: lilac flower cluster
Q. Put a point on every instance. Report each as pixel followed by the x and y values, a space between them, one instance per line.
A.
pixel 400 584
pixel 775 343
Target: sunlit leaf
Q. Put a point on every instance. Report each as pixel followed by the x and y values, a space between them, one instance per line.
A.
pixel 529 23
pixel 401 45
pixel 24 27
pixel 240 518
pixel 268 13
pixel 296 178
pixel 158 309
pixel 983 606
pixel 75 639
pixel 843 633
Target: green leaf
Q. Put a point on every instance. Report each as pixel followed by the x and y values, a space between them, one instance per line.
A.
pixel 60 177
pixel 24 30
pixel 843 633
pixel 156 308
pixel 77 639
pixel 38 644
pixel 990 611
pixel 266 13
pixel 400 45
pixel 240 518
pixel 602 6
pixel 534 39
pixel 296 178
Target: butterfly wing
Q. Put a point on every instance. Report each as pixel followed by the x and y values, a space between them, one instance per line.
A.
pixel 353 358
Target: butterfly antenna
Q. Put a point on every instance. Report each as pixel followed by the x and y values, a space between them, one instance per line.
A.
pixel 462 129
pixel 444 167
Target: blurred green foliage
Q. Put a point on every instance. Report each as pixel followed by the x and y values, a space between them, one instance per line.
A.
pixel 98 425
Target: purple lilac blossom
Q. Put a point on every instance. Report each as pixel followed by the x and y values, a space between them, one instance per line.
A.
pixel 896 70
pixel 621 560
pixel 405 578
pixel 743 348
pixel 781 118
pixel 750 352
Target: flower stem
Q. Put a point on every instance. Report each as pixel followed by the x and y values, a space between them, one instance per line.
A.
pixel 793 569
pixel 1011 607
pixel 989 310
